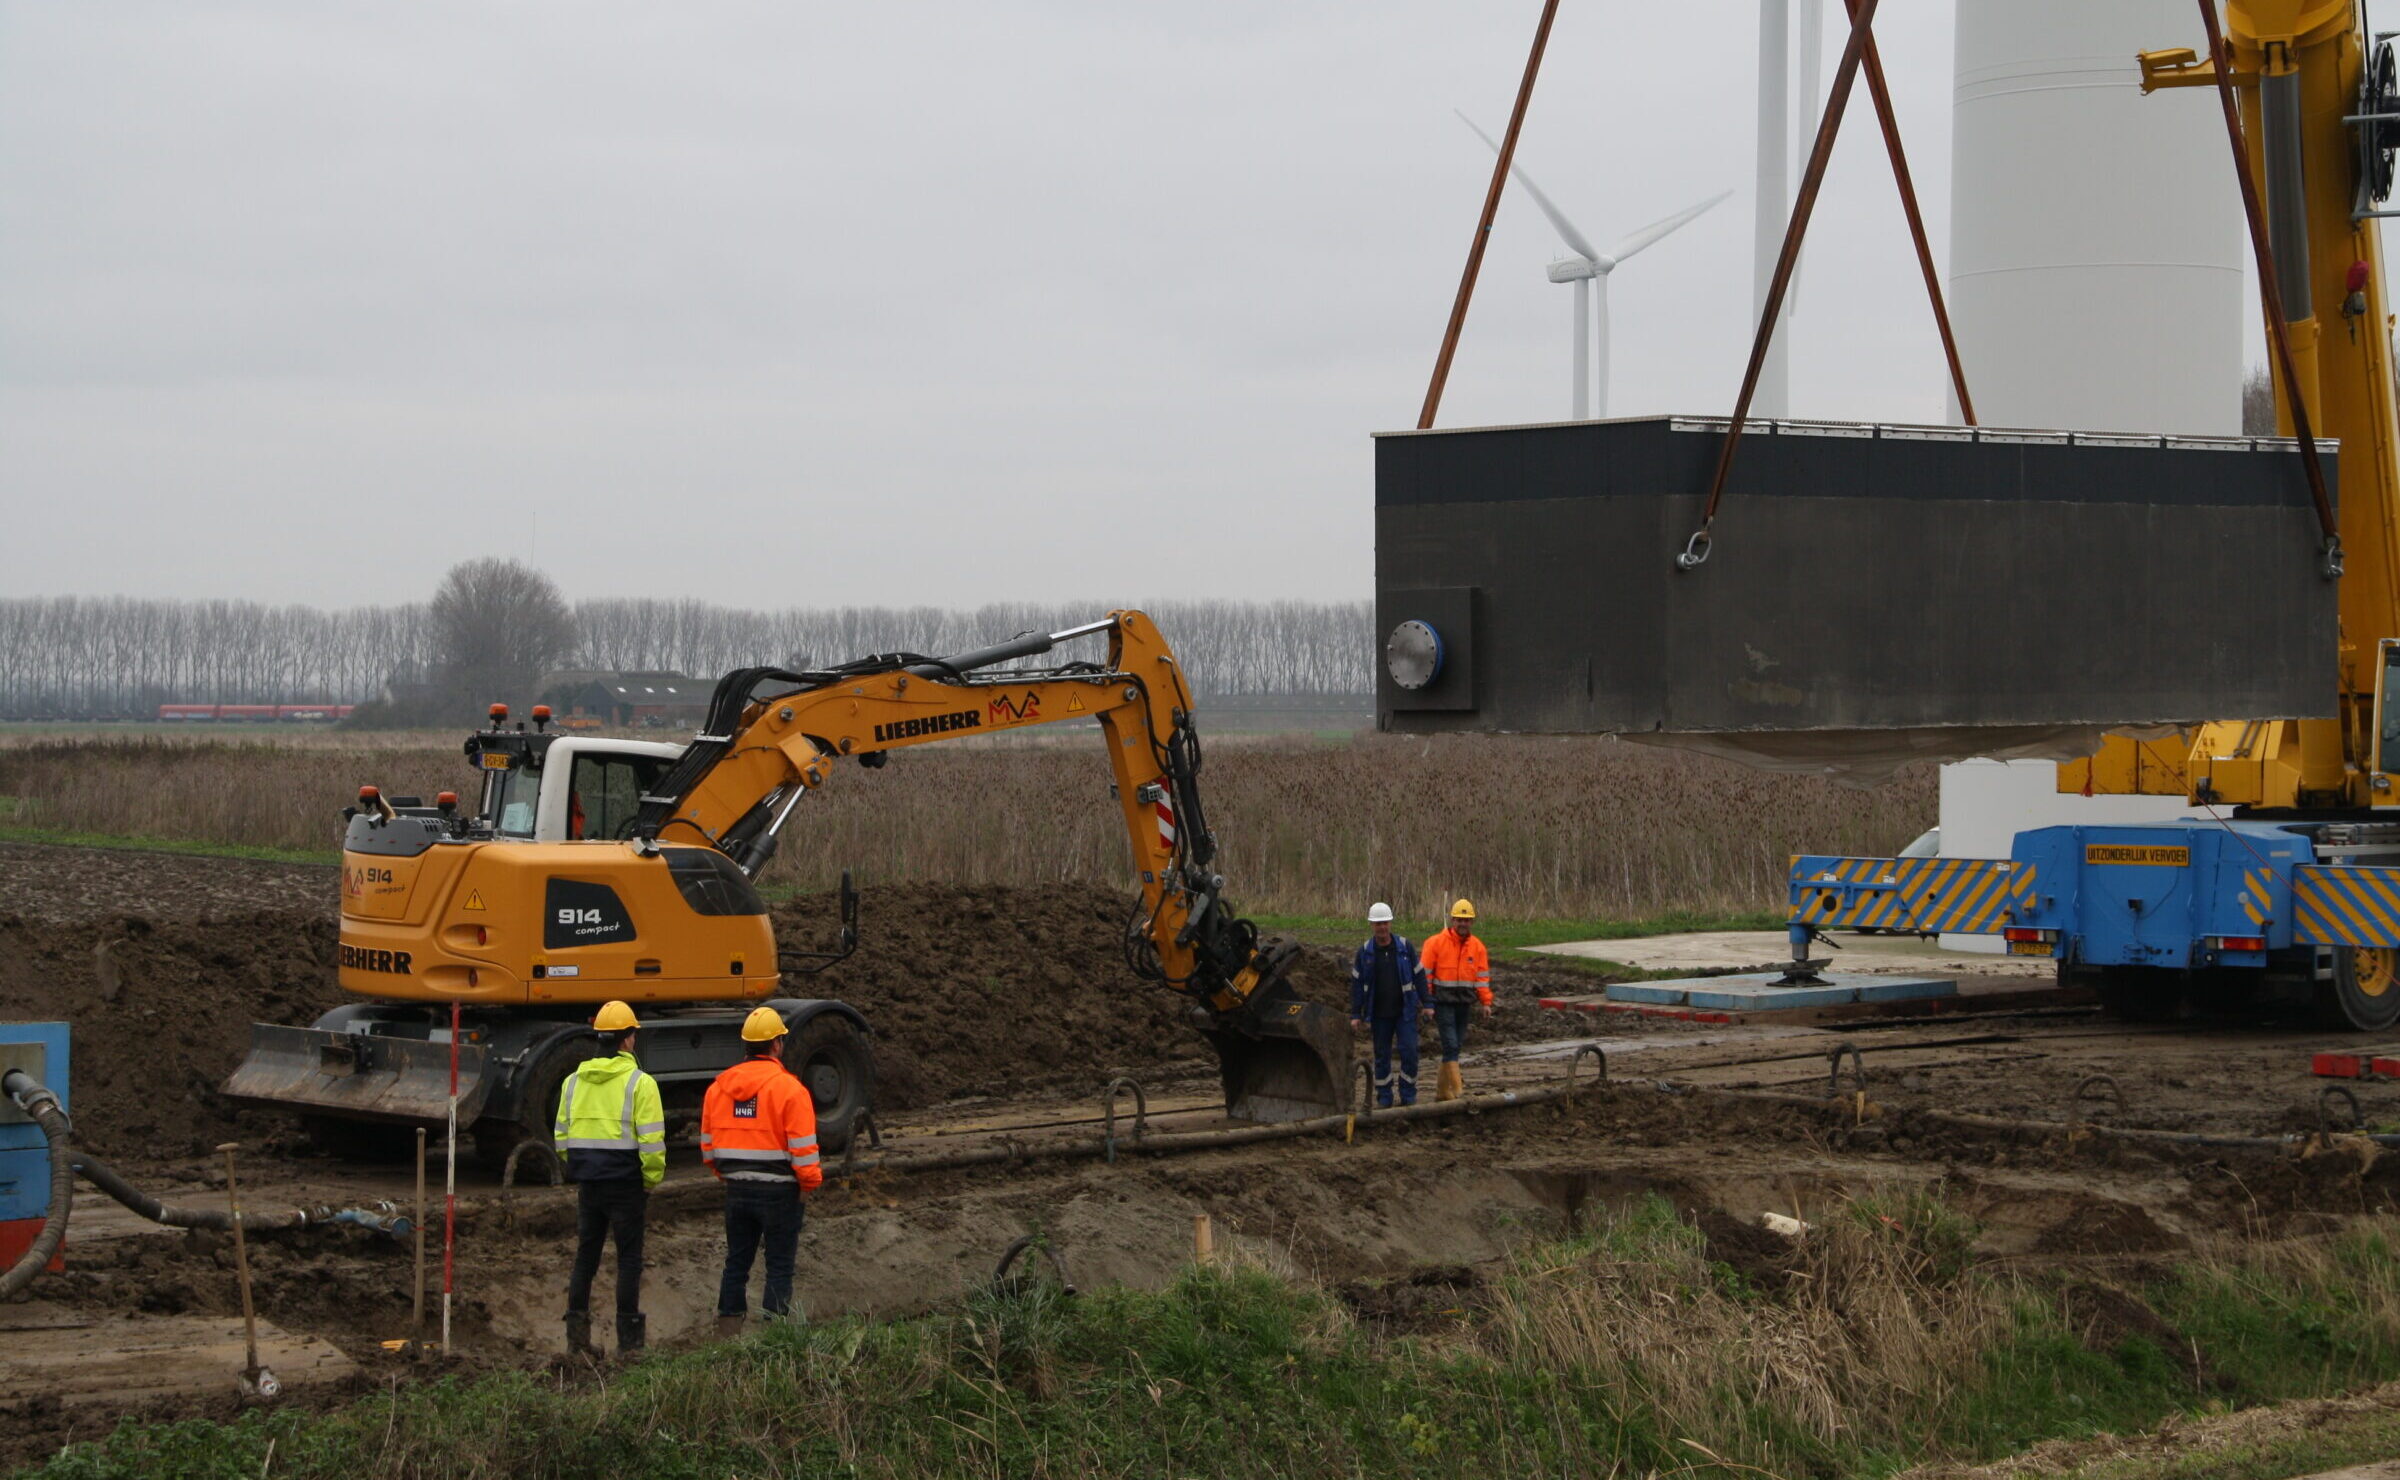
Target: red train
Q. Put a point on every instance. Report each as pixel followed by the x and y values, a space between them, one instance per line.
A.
pixel 253 714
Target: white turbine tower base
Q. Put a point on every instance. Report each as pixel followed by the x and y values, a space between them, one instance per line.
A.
pixel 1588 270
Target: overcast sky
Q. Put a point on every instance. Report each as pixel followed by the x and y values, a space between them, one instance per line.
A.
pixel 813 304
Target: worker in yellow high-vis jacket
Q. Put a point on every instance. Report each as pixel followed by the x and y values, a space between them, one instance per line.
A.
pixel 612 1135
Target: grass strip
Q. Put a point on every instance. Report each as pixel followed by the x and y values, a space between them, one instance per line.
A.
pixel 11 832
pixel 1628 1350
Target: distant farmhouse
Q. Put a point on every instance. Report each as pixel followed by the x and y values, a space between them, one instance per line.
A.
pixel 657 700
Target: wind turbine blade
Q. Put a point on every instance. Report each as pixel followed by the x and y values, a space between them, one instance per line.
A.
pixel 1657 229
pixel 1558 222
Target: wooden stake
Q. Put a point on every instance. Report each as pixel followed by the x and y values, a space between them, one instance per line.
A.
pixel 450 1186
pixel 1204 1240
pixel 241 1269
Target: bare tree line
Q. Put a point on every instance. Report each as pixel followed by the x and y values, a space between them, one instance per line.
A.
pixel 115 655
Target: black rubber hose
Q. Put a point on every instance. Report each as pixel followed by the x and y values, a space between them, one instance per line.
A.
pixel 42 1105
pixel 105 1177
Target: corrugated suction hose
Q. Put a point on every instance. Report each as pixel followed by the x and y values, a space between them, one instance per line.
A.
pixel 39 1103
pixel 103 1176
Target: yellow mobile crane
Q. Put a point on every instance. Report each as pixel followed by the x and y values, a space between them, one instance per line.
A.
pixel 2287 887
pixel 2320 118
pixel 592 870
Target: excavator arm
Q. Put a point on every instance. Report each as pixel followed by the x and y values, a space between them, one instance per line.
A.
pixel 773 736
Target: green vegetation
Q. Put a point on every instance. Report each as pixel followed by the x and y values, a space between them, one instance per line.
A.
pixel 1509 935
pixel 1878 1343
pixel 65 838
pixel 1517 935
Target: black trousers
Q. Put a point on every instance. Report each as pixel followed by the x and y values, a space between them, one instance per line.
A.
pixel 603 1210
pixel 760 1217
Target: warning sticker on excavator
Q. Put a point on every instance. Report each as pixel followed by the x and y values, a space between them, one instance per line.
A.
pixel 1074 704
pixel 474 900
pixel 2153 857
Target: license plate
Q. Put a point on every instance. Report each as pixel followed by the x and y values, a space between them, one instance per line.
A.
pixel 2029 948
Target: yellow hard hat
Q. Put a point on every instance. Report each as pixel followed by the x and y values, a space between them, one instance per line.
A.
pixel 763 1025
pixel 1463 910
pixel 615 1017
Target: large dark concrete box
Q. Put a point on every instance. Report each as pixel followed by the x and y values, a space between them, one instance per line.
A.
pixel 1861 578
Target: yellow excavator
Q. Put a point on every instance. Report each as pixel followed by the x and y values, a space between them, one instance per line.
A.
pixel 592 869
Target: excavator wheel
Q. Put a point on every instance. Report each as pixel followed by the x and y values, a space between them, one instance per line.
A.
pixel 496 1139
pixel 830 1055
pixel 357 1140
pixel 2364 994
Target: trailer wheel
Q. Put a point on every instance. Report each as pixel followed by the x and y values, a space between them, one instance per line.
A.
pixel 831 1058
pixel 2137 994
pixel 2365 991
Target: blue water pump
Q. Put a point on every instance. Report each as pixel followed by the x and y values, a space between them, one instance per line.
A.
pixel 39 1051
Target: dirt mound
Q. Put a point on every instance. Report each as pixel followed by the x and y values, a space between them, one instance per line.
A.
pixel 1764 1259
pixel 995 990
pixel 1437 1297
pixel 2102 1226
pixel 162 1012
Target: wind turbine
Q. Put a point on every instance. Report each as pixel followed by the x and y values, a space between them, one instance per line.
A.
pixel 1588 266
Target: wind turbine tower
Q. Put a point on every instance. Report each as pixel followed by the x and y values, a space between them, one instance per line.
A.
pixel 1588 270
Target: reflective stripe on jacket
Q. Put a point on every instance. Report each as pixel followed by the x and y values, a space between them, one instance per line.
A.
pixel 612 1127
pixel 1362 977
pixel 758 1124
pixel 1459 970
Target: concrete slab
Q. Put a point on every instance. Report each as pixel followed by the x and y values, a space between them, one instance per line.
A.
pixel 1765 950
pixel 1757 992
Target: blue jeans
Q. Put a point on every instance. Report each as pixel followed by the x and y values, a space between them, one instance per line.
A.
pixel 1400 1032
pixel 1450 1020
pixel 760 1214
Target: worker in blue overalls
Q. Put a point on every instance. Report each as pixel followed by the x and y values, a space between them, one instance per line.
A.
pixel 1386 991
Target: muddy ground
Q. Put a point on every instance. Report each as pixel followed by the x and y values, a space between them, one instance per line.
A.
pixel 1000 1013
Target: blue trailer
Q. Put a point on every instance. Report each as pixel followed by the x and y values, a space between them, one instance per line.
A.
pixel 2236 913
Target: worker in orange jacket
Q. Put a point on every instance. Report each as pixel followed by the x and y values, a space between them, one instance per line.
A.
pixel 1459 971
pixel 758 1133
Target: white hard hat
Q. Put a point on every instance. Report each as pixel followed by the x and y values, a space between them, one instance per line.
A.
pixel 1378 913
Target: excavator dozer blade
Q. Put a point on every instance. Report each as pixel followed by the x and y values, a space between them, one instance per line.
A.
pixel 1282 1058
pixel 356 1076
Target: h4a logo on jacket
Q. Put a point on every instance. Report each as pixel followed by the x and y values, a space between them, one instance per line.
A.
pixel 746 1109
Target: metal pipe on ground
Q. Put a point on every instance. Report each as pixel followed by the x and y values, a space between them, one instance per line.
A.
pixel 36 1100
pixel 675 1195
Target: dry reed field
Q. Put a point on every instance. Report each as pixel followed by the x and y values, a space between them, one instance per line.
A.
pixel 1527 826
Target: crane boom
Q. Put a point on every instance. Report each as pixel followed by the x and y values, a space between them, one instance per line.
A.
pixel 2310 83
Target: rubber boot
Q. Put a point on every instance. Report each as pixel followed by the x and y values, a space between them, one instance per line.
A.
pixel 728 1327
pixel 629 1334
pixel 579 1334
pixel 1449 1085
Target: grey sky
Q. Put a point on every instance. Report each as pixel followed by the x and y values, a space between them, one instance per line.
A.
pixel 812 304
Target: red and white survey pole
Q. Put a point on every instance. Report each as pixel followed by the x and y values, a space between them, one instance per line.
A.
pixel 450 1184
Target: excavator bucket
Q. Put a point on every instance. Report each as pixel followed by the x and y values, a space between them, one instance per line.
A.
pixel 1282 1058
pixel 356 1076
